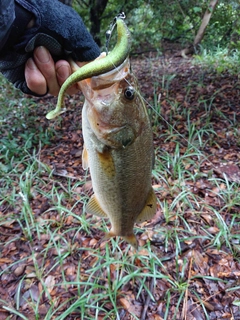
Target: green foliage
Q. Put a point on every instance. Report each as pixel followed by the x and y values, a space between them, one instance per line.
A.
pixel 21 128
pixel 219 59
pixel 105 273
pixel 151 22
pixel 221 25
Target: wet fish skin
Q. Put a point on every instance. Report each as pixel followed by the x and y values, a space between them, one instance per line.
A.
pixel 119 152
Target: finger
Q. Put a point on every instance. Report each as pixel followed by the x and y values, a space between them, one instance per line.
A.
pixel 46 65
pixel 63 71
pixel 34 78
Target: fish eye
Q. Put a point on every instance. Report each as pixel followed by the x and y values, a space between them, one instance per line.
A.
pixel 129 93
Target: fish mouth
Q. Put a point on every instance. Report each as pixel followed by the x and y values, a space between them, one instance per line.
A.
pixel 107 108
pixel 101 85
pixel 105 94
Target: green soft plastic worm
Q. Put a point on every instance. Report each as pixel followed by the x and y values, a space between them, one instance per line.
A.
pixel 114 59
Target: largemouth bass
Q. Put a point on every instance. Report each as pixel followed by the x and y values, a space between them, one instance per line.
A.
pixel 119 151
pixel 118 139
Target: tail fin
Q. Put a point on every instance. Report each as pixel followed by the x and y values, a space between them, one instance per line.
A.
pixel 131 239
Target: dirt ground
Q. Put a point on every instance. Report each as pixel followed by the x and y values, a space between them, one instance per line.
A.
pixel 173 84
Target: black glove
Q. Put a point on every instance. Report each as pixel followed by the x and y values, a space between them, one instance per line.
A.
pixel 57 27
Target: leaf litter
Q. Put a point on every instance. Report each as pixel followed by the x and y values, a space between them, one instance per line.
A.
pixel 61 267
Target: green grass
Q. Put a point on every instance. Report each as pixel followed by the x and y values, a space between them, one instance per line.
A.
pixel 68 271
pixel 219 60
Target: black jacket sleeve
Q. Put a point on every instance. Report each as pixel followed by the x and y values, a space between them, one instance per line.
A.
pixel 7 14
pixel 57 27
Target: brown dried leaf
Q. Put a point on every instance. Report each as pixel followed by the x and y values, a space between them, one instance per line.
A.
pixel 229 274
pixel 231 171
pixel 213 230
pixel 8 224
pixel 34 292
pixel 50 282
pixel 19 270
pixel 87 186
pixel 71 270
pixel 207 217
pixel 5 260
pixel 132 308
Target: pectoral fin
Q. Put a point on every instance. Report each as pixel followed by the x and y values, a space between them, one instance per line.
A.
pixel 85 158
pixel 150 208
pixel 93 207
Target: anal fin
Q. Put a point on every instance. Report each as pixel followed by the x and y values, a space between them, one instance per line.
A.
pixel 150 208
pixel 93 207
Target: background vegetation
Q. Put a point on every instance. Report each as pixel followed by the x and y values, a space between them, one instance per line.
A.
pixel 53 262
pixel 152 22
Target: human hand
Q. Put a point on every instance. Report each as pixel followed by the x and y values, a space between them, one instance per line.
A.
pixel 56 27
pixel 43 75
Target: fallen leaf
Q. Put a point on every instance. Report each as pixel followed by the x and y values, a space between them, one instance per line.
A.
pixel 213 230
pixel 5 260
pixel 50 283
pixel 230 171
pixel 130 307
pixel 19 270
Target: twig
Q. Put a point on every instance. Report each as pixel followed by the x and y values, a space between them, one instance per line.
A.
pixel 206 304
pixel 147 301
pixel 55 173
pixel 174 254
pixel 184 309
